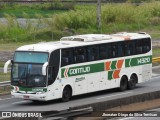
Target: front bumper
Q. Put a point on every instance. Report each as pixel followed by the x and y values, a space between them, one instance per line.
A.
pixel 40 97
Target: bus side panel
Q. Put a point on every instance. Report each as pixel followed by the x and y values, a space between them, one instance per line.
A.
pixel 80 84
pixel 104 83
pixel 93 81
pixel 54 90
pixel 146 72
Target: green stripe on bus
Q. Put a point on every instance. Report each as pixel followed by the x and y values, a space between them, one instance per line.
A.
pixel 127 62
pixel 98 67
pixel 110 73
pixel 25 89
pixel 138 61
pixel 113 65
pixel 80 70
pixel 62 73
pixel 32 89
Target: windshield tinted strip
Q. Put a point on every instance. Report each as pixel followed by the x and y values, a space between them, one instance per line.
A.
pixel 31 57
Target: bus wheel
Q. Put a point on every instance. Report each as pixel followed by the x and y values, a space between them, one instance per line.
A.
pixel 132 82
pixel 123 83
pixel 67 94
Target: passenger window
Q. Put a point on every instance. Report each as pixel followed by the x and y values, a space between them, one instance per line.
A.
pixel 121 49
pixel 146 45
pixel 126 49
pixel 80 55
pixel 139 47
pixel 93 53
pixel 67 57
pixel 51 75
pixel 114 51
pixel 129 48
pixel 103 52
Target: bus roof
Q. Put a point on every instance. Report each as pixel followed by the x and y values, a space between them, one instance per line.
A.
pixel 81 40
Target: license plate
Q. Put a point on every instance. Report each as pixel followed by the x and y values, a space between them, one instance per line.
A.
pixel 26 97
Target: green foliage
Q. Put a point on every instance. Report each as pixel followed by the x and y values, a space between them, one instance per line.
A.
pixel 33 9
pixel 80 20
pixel 139 1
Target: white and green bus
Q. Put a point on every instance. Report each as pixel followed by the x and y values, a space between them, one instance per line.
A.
pixel 80 64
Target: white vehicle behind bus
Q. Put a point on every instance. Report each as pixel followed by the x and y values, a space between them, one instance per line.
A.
pixel 80 64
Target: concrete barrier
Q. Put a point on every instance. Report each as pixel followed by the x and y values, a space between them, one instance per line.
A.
pixel 100 106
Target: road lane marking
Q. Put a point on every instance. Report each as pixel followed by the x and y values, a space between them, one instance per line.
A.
pixel 126 118
pixel 113 95
pixel 5 99
pixel 19 102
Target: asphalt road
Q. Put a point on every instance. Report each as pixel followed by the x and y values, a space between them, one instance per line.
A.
pixel 11 104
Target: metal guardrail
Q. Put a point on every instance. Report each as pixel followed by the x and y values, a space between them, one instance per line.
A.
pixel 6 83
pixel 66 113
pixel 155 59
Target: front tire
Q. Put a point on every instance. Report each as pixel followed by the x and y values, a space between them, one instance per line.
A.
pixel 67 94
pixel 123 83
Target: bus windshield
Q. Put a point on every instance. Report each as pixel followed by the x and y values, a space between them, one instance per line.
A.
pixel 31 57
pixel 27 69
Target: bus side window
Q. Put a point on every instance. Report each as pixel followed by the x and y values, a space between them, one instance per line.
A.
pixel 126 49
pixel 103 52
pixel 114 51
pixel 121 49
pixel 146 45
pixel 54 62
pixel 51 75
pixel 80 55
pixel 93 53
pixel 67 57
pixel 139 49
pixel 132 47
pixel 129 48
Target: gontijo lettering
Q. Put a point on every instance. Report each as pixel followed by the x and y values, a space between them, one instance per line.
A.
pixel 79 70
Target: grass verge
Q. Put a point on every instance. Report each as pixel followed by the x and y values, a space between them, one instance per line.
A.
pixel 12 46
pixel 4 77
pixel 82 19
pixel 5 90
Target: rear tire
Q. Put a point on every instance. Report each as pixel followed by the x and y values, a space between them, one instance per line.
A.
pixel 67 94
pixel 123 83
pixel 132 82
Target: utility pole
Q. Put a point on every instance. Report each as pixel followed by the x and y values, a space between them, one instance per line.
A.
pixel 99 15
